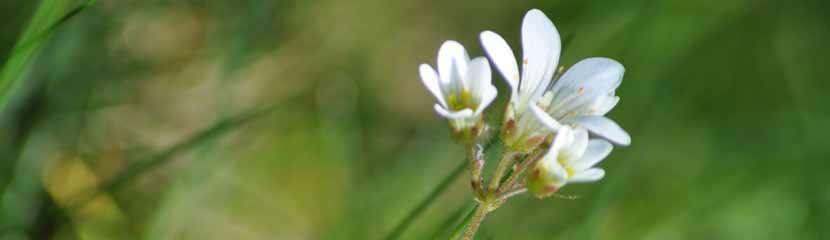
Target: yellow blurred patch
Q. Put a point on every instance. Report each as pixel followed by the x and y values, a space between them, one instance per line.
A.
pixel 70 181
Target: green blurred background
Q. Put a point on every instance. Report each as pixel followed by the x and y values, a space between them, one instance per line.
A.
pixel 149 104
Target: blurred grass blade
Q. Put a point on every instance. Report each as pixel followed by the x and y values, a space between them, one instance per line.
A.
pixel 443 228
pixel 459 229
pixel 416 212
pixel 144 165
pixel 49 15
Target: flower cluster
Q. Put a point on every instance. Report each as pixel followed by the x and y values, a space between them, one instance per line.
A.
pixel 554 128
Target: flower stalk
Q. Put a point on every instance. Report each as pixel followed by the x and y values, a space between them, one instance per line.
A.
pixel 519 168
pixel 501 169
pixel 475 222
pixel 512 192
pixel 476 164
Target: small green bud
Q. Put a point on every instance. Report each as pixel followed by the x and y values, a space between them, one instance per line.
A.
pixel 541 182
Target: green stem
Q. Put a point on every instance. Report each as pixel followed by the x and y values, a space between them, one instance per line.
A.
pixel 505 162
pixel 459 230
pixel 448 224
pixel 512 192
pixel 475 221
pixel 528 162
pixel 416 212
pixel 476 165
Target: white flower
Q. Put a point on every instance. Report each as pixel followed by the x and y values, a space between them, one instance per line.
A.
pixel 570 159
pixel 461 86
pixel 541 47
pixel 579 98
pixel 582 96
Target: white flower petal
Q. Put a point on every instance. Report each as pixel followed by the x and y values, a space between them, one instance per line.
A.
pixel 597 151
pixel 582 84
pixel 556 171
pixel 551 165
pixel 453 115
pixel 545 118
pixel 600 73
pixel 430 80
pixel 603 105
pixel 452 55
pixel 458 79
pixel 502 57
pixel 478 75
pixel 590 175
pixel 551 156
pixel 564 137
pixel 575 151
pixel 487 96
pixel 604 128
pixel 541 47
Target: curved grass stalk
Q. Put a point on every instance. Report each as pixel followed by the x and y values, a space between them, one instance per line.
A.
pixel 459 229
pixel 416 212
pixel 49 15
pixel 448 224
pixel 142 166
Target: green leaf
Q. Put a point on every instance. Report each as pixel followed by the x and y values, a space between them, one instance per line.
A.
pixel 49 15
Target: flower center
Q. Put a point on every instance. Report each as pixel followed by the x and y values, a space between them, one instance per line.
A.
pixel 568 169
pixel 461 100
